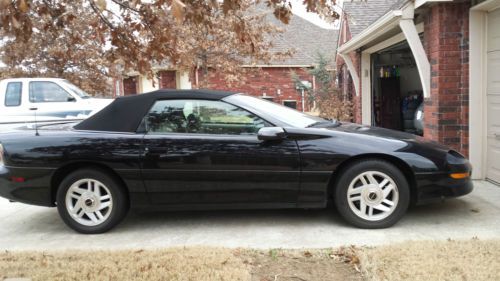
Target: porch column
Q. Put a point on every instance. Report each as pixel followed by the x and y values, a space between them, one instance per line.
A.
pixel 411 34
pixel 352 70
pixel 366 92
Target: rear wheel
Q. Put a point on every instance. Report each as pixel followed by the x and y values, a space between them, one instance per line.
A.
pixel 372 194
pixel 90 201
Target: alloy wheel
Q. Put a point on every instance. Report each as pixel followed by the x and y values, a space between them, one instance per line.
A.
pixel 373 196
pixel 89 202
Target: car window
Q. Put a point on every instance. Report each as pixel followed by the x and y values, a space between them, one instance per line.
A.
pixel 81 93
pixel 13 94
pixel 45 91
pixel 287 116
pixel 202 117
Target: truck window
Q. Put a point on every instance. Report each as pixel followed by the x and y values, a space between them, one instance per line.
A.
pixel 45 91
pixel 13 94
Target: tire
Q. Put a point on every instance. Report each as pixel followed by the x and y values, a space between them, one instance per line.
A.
pixel 95 209
pixel 359 180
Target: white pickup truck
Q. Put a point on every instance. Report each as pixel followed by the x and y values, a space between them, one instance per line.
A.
pixel 46 99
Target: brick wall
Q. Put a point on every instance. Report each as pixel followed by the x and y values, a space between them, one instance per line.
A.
pixel 273 82
pixel 347 83
pixel 446 40
pixel 167 79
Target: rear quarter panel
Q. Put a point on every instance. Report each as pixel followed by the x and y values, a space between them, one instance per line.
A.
pixel 56 149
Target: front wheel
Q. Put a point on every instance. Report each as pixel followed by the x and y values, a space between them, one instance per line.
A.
pixel 90 201
pixel 372 194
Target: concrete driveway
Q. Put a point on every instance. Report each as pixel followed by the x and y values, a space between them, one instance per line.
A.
pixel 24 227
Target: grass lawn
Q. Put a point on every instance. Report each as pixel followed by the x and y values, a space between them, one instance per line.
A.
pixel 450 260
pixel 473 260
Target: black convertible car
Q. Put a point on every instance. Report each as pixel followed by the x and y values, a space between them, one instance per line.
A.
pixel 217 150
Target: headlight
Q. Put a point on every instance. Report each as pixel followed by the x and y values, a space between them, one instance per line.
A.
pixel 1 155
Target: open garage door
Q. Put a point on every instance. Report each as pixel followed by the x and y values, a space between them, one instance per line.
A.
pixel 397 91
pixel 493 97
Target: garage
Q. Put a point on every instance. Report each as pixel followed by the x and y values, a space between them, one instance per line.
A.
pixel 493 96
pixel 396 89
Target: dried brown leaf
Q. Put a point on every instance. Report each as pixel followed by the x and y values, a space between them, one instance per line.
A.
pixel 4 4
pixel 23 6
pixel 101 4
pixel 178 9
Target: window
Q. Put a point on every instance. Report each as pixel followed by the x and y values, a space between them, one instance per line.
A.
pixel 285 115
pixel 268 98
pixel 290 103
pixel 13 94
pixel 44 91
pixel 202 117
pixel 81 93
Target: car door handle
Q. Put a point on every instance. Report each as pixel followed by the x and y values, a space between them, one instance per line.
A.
pixel 497 136
pixel 159 153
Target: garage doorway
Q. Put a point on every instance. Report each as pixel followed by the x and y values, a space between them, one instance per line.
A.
pixel 493 96
pixel 397 91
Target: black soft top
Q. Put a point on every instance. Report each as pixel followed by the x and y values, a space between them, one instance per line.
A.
pixel 125 114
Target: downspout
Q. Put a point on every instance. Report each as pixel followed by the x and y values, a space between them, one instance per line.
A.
pixel 410 31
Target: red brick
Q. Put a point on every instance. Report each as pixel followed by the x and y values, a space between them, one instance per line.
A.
pixel 446 27
pixel 256 82
pixel 167 79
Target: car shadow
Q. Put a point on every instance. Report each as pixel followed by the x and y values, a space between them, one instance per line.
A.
pixel 296 217
pixel 137 220
pixel 453 207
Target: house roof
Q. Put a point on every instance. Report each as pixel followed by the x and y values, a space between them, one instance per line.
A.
pixel 305 39
pixel 361 14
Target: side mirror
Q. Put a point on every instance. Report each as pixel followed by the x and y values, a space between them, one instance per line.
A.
pixel 271 133
pixel 71 99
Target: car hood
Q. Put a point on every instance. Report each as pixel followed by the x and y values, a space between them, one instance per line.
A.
pixel 387 134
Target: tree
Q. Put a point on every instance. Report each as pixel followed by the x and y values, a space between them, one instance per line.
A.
pixel 326 96
pixel 73 54
pixel 103 37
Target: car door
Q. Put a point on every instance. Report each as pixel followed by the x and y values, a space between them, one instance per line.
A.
pixel 53 101
pixel 202 152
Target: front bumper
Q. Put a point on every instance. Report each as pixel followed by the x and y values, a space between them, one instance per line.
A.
pixel 35 188
pixel 439 186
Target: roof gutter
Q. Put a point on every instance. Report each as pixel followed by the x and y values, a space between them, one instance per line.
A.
pixel 378 28
pixel 404 19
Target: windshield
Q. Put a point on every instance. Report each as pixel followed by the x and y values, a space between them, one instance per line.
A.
pixel 287 115
pixel 81 93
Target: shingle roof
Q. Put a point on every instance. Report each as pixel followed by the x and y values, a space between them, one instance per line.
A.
pixel 361 14
pixel 305 39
